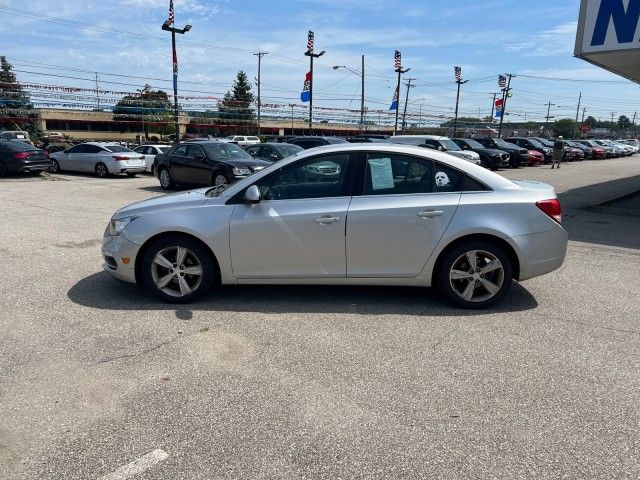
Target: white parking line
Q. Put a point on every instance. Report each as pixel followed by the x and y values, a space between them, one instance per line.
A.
pixel 139 465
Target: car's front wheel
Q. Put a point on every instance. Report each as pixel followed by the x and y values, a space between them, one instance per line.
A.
pixel 475 275
pixel 178 269
pixel 54 167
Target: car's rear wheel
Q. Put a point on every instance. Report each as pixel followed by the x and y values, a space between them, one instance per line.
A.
pixel 166 181
pixel 54 167
pixel 101 170
pixel 475 275
pixel 178 269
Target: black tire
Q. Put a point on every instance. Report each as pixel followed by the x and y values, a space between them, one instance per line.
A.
pixel 101 170
pixel 166 180
pixel 131 174
pixel 218 174
pixel 197 251
pixel 457 254
pixel 54 167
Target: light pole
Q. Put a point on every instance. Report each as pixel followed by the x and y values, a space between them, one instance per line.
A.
pixel 309 53
pixel 166 26
pixel 548 115
pixel 259 55
pixel 455 121
pixel 406 102
pixel 361 74
pixel 399 70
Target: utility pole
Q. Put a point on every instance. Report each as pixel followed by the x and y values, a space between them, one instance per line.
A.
pixel 97 91
pixel 361 74
pixel 546 126
pixel 575 126
pixel 505 95
pixel 399 71
pixel 584 111
pixel 259 55
pixel 406 102
pixel 459 81
pixel 292 105
pixel 309 53
pixel 166 26
pixel 493 104
pixel 633 124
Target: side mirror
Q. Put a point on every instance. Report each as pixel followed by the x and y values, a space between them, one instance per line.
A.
pixel 252 194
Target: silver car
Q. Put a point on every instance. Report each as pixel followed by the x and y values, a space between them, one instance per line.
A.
pixel 382 215
pixel 103 159
pixel 149 153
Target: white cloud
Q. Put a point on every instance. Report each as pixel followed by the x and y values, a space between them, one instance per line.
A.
pixel 558 40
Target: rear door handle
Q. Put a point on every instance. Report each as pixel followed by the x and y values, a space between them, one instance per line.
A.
pixel 430 213
pixel 326 219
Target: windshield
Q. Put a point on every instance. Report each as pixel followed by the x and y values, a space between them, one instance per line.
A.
pixel 450 145
pixel 545 142
pixel 502 143
pixel 473 144
pixel 224 151
pixel 288 150
pixel 117 149
pixel 536 143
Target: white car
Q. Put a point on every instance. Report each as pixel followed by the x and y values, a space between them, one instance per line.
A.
pixel 437 142
pixel 103 159
pixel 241 140
pixel 150 152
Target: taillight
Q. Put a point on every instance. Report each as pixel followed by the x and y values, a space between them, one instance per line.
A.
pixel 120 157
pixel 20 156
pixel 552 208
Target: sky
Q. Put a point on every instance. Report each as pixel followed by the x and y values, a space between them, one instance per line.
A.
pixel 484 38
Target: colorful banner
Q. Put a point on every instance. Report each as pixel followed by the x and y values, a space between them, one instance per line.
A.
pixel 305 96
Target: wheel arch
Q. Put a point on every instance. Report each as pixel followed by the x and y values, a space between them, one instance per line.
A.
pixel 145 246
pixel 487 237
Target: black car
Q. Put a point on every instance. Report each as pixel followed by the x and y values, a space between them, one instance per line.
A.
pixel 205 163
pixel 272 152
pixel 17 156
pixel 491 158
pixel 533 144
pixel 518 156
pixel 588 151
pixel 310 142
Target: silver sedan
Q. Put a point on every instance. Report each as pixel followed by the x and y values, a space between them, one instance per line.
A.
pixel 100 158
pixel 345 215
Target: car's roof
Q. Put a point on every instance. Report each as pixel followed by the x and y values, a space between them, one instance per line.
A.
pixel 154 145
pixel 278 144
pixel 426 137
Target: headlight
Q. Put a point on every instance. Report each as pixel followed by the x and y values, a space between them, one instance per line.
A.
pixel 116 226
pixel 241 171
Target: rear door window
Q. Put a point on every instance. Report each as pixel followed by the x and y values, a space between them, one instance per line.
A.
pixel 179 151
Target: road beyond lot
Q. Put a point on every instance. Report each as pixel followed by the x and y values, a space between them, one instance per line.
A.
pixel 98 380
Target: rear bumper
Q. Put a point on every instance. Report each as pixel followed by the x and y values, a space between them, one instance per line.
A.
pixel 115 251
pixel 542 252
pixel 20 166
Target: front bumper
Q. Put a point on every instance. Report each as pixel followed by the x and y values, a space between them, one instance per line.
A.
pixel 542 252
pixel 115 251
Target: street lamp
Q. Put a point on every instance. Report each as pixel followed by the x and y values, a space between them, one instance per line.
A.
pixel 166 26
pixel 361 74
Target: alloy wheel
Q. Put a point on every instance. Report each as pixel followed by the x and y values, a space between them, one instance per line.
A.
pixel 54 167
pixel 476 276
pixel 101 170
pixel 220 180
pixel 176 271
pixel 165 179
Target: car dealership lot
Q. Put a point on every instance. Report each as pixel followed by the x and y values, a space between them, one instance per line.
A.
pixel 314 382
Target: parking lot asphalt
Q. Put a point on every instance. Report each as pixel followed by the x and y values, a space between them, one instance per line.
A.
pixel 97 380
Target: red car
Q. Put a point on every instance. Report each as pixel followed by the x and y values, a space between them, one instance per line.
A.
pixel 535 158
pixel 598 152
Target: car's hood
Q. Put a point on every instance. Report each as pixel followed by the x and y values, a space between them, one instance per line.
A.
pixel 466 154
pixel 174 201
pixel 489 151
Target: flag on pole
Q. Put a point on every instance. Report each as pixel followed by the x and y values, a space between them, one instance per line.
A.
pixel 458 73
pixel 310 41
pixel 502 81
pixel 499 104
pixel 305 96
pixel 175 69
pixel 397 63
pixel 171 14
pixel 394 102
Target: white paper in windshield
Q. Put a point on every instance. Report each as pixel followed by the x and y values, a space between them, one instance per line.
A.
pixel 381 173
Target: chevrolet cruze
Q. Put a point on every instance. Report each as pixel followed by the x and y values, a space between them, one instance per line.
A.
pixel 345 214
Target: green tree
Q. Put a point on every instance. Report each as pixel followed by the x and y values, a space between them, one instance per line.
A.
pixel 16 110
pixel 624 122
pixel 591 121
pixel 235 108
pixel 564 127
pixel 149 110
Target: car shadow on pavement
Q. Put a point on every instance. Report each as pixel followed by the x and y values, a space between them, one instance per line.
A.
pixel 159 189
pixel 102 291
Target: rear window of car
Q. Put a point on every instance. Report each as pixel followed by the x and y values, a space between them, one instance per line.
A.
pixel 253 139
pixel 117 148
pixel 16 146
pixel 223 151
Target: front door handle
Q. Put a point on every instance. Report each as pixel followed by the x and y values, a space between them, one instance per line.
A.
pixel 326 219
pixel 430 213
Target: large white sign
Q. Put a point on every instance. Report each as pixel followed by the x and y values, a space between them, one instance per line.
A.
pixel 607 26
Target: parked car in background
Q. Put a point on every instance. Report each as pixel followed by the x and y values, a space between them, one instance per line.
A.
pixel 149 152
pixel 16 135
pixel 205 163
pixel 532 144
pixel 586 150
pixel 616 150
pixel 627 149
pixel 633 142
pixel 242 140
pixel 437 142
pixel 570 153
pixel 17 156
pixel 272 152
pixel 599 151
pixel 311 142
pixel 518 156
pixel 401 215
pixel 103 159
pixel 535 158
pixel 490 158
pixel 56 147
pixel 359 139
